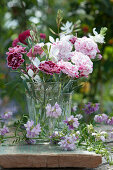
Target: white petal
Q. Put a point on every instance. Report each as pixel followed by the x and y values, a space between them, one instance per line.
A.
pixel 57 39
pixel 41 44
pixel 94 32
pixel 56 51
pixel 37 78
pixel 51 39
pixel 30 72
pixel 24 77
pixel 36 62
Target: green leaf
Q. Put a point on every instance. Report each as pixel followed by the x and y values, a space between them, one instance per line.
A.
pixel 52 31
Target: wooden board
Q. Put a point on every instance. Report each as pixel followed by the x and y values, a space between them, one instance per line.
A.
pixel 35 156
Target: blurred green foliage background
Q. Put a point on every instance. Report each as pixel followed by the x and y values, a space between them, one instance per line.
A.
pixel 18 15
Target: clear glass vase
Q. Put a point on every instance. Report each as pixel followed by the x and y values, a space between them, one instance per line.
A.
pixel 38 96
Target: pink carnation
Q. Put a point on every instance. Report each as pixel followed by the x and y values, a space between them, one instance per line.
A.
pixel 87 46
pixel 14 60
pixel 64 48
pixel 17 49
pixel 49 67
pixel 37 50
pixel 83 62
pixel 68 68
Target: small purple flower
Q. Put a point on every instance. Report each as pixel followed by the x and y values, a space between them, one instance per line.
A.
pixel 68 143
pixel 72 122
pixel 104 117
pixel 4 130
pixel 6 115
pixel 53 111
pixel 91 108
pixel 98 118
pixel 111 134
pixel 32 131
pixel 56 137
pixel 110 121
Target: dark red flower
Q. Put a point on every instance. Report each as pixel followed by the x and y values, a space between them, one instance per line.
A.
pixel 23 36
pixel 49 67
pixel 42 36
pixel 15 42
pixel 14 60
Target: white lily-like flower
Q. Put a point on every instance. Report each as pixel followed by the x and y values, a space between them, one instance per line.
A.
pixel 52 40
pixel 98 38
pixel 64 37
pixel 52 52
pixel 67 28
pixel 36 62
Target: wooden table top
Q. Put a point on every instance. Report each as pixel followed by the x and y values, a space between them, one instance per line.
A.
pixel 40 155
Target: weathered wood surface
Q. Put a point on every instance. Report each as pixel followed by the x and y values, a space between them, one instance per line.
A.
pixel 36 156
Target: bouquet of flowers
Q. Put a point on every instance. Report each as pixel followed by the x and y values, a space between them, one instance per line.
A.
pixel 51 70
pixel 66 58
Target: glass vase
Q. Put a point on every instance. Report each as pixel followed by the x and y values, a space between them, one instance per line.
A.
pixel 38 96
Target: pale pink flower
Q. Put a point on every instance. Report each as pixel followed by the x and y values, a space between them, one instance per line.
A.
pixel 68 68
pixel 83 62
pixel 63 49
pixel 87 46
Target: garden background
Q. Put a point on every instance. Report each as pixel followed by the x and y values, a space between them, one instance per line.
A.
pixel 18 15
